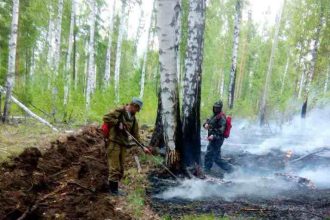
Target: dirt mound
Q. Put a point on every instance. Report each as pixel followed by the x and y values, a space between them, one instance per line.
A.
pixel 67 181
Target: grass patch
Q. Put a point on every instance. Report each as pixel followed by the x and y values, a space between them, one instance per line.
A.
pixel 15 138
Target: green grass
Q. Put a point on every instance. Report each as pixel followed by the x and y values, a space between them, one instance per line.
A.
pixel 15 138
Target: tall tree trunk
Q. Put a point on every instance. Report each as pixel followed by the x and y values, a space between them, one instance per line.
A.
pixel 232 80
pixel 270 68
pixel 119 44
pixel 311 72
pixel 167 20
pixel 222 85
pixel 58 30
pixel 91 76
pixel 284 74
pixel 326 82
pixel 50 37
pixel 67 72
pixel 301 83
pixel 10 81
pixel 108 56
pixel 57 44
pixel 145 56
pixel 157 139
pixel 192 83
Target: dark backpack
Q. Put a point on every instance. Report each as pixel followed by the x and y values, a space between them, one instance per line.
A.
pixel 226 133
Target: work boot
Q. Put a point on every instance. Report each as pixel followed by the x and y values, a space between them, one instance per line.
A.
pixel 113 186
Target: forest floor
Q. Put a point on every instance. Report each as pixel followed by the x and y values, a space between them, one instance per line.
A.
pixel 63 176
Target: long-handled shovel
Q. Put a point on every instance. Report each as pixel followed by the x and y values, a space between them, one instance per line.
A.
pixel 142 147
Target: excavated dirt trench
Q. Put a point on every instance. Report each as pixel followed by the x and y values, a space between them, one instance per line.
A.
pixel 67 181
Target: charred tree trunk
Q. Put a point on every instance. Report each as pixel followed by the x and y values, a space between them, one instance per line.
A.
pixel 270 68
pixel 157 139
pixel 192 83
pixel 167 21
pixel 231 92
pixel 10 81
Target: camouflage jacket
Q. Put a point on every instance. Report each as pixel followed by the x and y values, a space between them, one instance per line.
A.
pixel 217 126
pixel 113 118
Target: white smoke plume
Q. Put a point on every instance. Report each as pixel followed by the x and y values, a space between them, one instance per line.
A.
pixel 300 137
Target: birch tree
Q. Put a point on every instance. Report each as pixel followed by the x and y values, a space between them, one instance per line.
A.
pixel 231 91
pixel 68 58
pixel 192 83
pixel 285 73
pixel 58 31
pixel 10 81
pixel 107 71
pixel 145 56
pixel 119 44
pixel 167 21
pixel 91 74
pixel 270 68
pixel 326 81
pixel 310 74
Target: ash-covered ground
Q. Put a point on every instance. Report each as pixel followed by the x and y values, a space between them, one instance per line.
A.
pixel 280 173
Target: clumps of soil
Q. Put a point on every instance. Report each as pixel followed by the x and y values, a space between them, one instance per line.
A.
pixel 67 181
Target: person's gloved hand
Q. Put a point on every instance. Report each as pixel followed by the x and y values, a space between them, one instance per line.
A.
pixel 147 150
pixel 210 138
pixel 122 126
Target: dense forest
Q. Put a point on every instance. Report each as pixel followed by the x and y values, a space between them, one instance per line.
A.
pixel 233 104
pixel 67 63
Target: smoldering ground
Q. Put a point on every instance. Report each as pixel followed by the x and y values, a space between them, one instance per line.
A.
pixel 268 165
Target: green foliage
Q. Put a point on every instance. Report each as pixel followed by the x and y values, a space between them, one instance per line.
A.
pixel 297 32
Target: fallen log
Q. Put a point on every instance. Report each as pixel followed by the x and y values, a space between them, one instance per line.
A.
pixel 29 112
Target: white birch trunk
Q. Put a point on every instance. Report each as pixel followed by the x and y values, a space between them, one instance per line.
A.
pixel 107 71
pixel 284 74
pixel 90 79
pixel 167 19
pixel 145 56
pixel 56 62
pixel 231 92
pixel 301 84
pixel 192 83
pixel 118 51
pixel 10 81
pixel 311 72
pixel 222 86
pixel 58 31
pixel 326 81
pixel 67 72
pixel 50 38
pixel 28 111
pixel 178 41
pixel 270 68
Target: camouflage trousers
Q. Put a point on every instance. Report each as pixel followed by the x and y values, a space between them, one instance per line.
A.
pixel 116 158
pixel 213 155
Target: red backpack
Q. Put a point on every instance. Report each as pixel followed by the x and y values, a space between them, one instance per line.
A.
pixel 226 133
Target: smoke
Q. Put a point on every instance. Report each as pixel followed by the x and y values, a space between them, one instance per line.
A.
pixel 299 137
pixel 242 186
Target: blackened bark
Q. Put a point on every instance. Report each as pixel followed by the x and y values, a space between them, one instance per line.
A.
pixel 157 139
pixel 304 109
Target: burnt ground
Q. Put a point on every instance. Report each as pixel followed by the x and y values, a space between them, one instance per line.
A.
pixel 302 200
pixel 66 181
